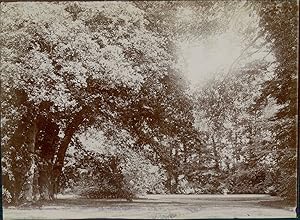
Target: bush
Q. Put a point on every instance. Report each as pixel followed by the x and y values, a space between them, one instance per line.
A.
pixel 96 176
pixel 6 197
pixel 98 192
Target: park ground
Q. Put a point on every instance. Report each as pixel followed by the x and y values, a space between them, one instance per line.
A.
pixel 157 207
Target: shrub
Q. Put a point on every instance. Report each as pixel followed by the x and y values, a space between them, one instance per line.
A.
pixel 6 197
pixel 93 175
pixel 99 192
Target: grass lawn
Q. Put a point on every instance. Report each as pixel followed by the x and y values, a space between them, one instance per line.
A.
pixel 157 207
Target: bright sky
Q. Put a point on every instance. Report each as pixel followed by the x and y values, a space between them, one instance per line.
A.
pixel 203 59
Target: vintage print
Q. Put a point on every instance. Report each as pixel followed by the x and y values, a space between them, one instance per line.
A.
pixel 149 109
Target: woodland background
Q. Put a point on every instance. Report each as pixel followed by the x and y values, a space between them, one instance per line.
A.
pixel 94 101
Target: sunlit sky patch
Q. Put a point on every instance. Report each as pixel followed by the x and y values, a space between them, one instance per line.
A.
pixel 203 58
pixel 184 13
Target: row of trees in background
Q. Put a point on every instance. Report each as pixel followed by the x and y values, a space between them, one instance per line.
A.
pixel 110 68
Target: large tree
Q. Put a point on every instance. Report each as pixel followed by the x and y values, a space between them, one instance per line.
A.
pixel 279 20
pixel 67 65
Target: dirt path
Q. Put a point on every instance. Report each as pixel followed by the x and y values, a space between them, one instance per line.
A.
pixel 156 206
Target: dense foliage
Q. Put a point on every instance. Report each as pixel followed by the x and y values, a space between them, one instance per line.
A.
pixel 280 22
pixel 94 175
pixel 112 69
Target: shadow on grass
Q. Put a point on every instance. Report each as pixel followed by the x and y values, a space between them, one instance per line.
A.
pixel 280 203
pixel 92 203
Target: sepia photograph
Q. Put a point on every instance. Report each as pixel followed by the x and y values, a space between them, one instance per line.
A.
pixel 149 109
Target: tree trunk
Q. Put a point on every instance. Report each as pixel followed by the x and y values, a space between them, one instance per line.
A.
pixel 21 146
pixel 47 145
pixel 175 171
pixel 168 183
pixel 60 156
pixel 28 187
pixel 45 182
pixel 174 183
pixel 58 165
pixel 36 192
pixel 216 156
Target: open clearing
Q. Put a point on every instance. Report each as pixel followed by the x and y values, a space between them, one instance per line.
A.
pixel 157 206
